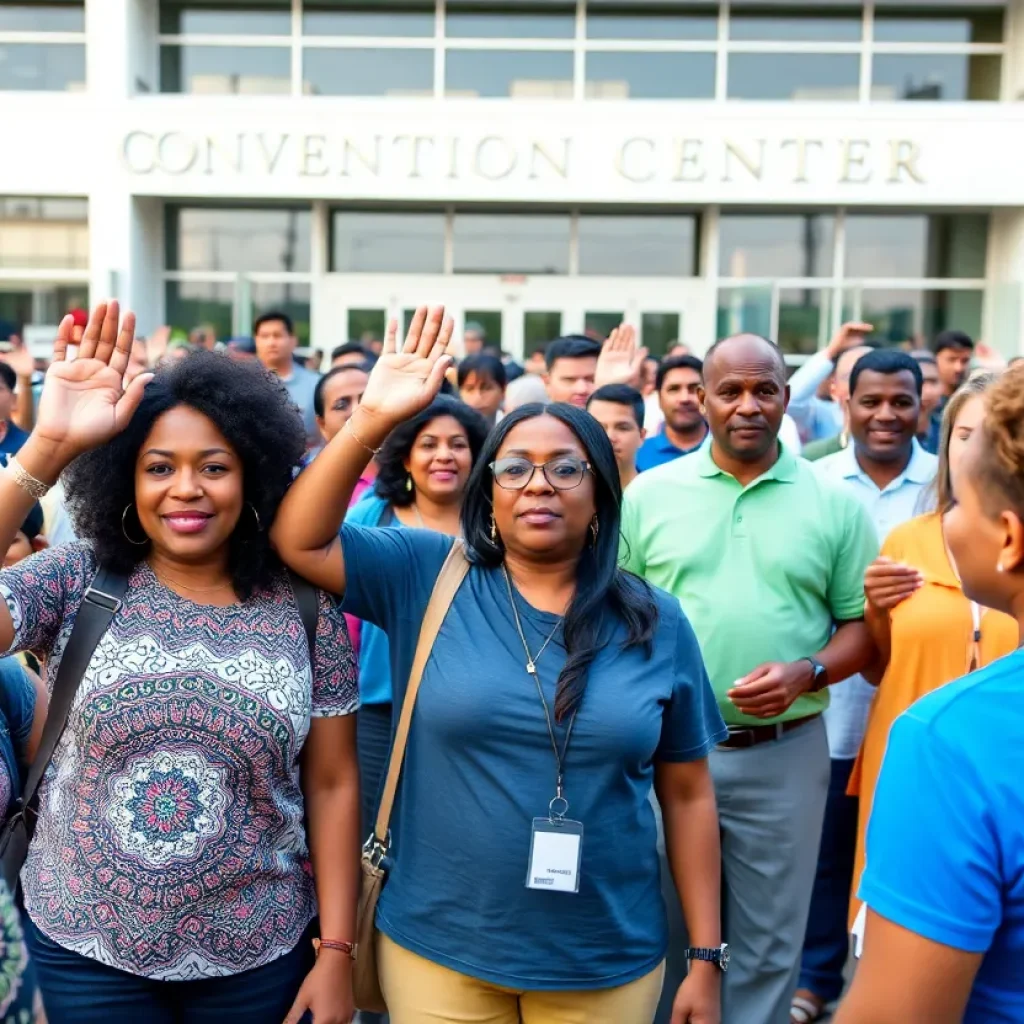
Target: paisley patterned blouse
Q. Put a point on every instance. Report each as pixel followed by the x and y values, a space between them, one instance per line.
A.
pixel 170 841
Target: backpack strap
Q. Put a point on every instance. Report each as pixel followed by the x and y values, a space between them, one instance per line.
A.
pixel 99 606
pixel 308 602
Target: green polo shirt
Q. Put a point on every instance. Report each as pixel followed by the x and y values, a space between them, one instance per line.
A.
pixel 763 572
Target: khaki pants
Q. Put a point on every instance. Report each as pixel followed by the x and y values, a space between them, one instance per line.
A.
pixel 418 991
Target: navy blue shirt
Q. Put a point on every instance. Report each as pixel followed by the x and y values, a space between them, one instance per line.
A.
pixel 480 767
pixel 657 450
pixel 945 848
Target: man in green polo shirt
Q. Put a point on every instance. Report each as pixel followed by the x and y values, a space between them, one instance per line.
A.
pixel 768 562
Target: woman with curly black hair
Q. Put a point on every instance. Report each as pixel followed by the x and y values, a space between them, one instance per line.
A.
pixel 422 472
pixel 168 879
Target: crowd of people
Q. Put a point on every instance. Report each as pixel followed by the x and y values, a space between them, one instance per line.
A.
pixel 726 675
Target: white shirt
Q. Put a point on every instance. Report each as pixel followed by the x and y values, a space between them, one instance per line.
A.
pixel 847 714
pixel 816 417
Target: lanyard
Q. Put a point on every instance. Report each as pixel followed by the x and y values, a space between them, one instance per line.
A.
pixel 558 801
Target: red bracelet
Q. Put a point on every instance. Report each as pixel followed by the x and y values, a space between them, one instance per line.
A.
pixel 349 948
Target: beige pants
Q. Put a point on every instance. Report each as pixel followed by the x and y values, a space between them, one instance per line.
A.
pixel 418 991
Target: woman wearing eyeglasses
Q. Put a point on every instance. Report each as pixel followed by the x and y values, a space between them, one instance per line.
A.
pixel 546 713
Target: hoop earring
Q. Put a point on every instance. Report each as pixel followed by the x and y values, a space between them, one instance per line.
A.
pixel 494 530
pixel 124 529
pixel 259 522
pixel 595 527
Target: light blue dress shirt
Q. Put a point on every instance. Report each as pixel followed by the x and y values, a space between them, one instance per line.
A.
pixel 816 418
pixel 846 717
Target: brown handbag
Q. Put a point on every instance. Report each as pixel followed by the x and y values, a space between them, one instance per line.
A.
pixel 365 980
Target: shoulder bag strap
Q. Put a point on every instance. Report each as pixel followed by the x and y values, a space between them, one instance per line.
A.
pixel 450 578
pixel 100 604
pixel 309 611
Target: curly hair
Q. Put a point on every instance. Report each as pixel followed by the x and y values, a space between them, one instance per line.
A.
pixel 1001 466
pixel 391 472
pixel 256 416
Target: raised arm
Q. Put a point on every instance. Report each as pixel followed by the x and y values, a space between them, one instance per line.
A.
pixel 84 404
pixel 306 529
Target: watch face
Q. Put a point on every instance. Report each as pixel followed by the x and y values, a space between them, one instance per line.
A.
pixel 724 962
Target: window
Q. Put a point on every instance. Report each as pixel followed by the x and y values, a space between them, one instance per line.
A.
pixel 648 246
pixel 794 76
pixel 510 21
pixel 650 76
pixel 368 19
pixel 258 19
pixel 916 245
pixel 386 242
pixel 241 70
pixel 238 239
pixel 511 74
pixel 38 233
pixel 369 72
pixel 910 26
pixel 915 316
pixel 803 320
pixel 949 77
pixel 636 21
pixel 53 63
pixel 776 246
pixel 795 26
pixel 497 243
pixel 659 332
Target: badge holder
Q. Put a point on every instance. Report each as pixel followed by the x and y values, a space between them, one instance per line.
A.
pixel 556 850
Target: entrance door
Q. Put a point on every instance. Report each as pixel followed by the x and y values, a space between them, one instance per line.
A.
pixel 519 315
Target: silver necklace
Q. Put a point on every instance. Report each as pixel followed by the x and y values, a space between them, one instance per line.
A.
pixel 531 661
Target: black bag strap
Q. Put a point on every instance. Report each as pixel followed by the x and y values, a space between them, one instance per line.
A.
pixel 308 602
pixel 100 604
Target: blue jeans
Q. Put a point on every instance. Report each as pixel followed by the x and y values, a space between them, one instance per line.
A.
pixel 78 990
pixel 827 941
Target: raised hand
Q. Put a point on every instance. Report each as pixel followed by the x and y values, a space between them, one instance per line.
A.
pixel 849 335
pixel 620 361
pixel 404 382
pixel 84 402
pixel 20 360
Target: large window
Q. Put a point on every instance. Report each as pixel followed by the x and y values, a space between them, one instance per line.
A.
pixel 225 265
pixel 42 47
pixel 597 50
pixel 44 257
pixel 796 276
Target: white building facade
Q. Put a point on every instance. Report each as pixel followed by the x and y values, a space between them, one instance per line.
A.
pixel 540 167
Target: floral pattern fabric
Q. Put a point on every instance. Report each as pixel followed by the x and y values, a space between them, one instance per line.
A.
pixel 170 840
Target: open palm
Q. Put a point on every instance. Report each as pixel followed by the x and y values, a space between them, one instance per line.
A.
pixel 621 359
pixel 404 382
pixel 84 402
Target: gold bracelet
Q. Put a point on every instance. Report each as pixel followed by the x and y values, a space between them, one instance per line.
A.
pixel 358 440
pixel 34 488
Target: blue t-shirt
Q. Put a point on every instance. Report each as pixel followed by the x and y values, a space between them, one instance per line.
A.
pixel 17 711
pixel 480 768
pixel 11 443
pixel 945 845
pixel 657 450
pixel 374 652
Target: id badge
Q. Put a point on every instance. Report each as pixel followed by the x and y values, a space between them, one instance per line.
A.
pixel 556 850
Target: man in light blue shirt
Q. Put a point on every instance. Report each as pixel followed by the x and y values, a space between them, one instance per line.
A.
pixel 821 418
pixel 887 471
pixel 275 346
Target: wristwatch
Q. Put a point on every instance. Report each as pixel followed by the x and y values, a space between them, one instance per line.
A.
pixel 820 678
pixel 719 956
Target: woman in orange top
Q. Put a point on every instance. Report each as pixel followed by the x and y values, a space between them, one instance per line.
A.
pixel 928 633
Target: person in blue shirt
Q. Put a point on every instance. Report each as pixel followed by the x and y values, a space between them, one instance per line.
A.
pixel 684 430
pixel 545 694
pixel 944 881
pixel 12 437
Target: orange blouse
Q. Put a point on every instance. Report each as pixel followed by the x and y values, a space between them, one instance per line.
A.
pixel 932 644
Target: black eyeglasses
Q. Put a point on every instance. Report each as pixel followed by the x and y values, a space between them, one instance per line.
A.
pixel 563 473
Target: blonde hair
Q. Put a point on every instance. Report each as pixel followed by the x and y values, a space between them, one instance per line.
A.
pixel 978 383
pixel 1002 462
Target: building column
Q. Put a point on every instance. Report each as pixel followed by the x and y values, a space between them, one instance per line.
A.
pixel 125 231
pixel 1003 322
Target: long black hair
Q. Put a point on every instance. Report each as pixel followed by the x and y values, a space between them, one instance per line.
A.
pixel 392 475
pixel 603 590
pixel 253 412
